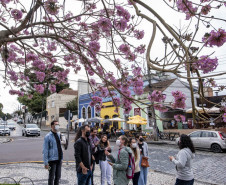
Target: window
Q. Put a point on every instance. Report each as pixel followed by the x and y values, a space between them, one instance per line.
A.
pixel 89 112
pixel 53 104
pixel 206 134
pixel 48 105
pixel 195 134
pixel 84 112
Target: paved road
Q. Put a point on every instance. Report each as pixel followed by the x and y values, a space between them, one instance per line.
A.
pixel 208 166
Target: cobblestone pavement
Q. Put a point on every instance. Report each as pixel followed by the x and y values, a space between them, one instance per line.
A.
pixel 207 166
pixel 39 175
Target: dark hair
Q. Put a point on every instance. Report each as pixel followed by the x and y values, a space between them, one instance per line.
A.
pixel 79 133
pixel 133 149
pixel 92 129
pixel 53 122
pixel 102 144
pixel 186 142
pixel 124 138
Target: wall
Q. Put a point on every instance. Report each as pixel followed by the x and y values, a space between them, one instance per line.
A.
pixel 60 101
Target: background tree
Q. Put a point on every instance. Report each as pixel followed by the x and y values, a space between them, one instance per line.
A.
pixel 72 105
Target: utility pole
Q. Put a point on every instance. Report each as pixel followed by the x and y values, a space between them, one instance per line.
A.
pixel 151 110
pixel 47 87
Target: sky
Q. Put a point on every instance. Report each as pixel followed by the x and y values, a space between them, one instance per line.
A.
pixel 174 19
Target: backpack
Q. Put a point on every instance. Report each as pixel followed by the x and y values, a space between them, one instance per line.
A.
pixel 131 166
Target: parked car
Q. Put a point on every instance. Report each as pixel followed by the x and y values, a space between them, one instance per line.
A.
pixel 31 130
pixel 4 130
pixel 11 126
pixel 19 121
pixel 214 140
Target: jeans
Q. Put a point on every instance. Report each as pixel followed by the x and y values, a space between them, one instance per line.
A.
pixel 183 182
pixel 92 173
pixel 136 178
pixel 143 174
pixel 54 172
pixel 106 169
pixel 84 179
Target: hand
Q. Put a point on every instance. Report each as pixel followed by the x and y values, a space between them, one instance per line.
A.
pixel 84 170
pixel 171 158
pixel 106 152
pixel 47 167
pixel 110 163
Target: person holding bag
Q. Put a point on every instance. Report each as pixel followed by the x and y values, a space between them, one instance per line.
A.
pixel 136 153
pixel 143 146
pixel 105 167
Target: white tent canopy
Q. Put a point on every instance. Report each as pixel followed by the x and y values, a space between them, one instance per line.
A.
pixel 116 119
pixel 213 110
pixel 199 109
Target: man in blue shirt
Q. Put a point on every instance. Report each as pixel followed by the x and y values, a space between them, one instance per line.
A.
pixel 53 154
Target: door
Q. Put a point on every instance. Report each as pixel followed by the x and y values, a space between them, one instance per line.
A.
pixel 195 137
pixel 205 139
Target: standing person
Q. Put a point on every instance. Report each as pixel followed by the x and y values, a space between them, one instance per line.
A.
pixel 53 154
pixel 94 140
pixel 83 155
pixel 104 165
pixel 136 153
pixel 143 146
pixel 183 161
pixel 120 163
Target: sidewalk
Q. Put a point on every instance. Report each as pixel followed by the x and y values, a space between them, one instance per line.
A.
pixel 39 175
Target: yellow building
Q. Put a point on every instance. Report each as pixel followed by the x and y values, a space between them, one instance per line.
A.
pixel 108 113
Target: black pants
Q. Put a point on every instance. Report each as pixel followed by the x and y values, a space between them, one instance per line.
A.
pixel 92 173
pixel 183 182
pixel 54 172
pixel 136 178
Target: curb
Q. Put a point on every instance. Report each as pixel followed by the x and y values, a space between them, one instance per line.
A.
pixel 38 162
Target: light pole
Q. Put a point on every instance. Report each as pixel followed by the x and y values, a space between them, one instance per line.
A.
pixel 47 88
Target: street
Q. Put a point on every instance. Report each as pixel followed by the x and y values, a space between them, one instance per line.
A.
pixel 207 166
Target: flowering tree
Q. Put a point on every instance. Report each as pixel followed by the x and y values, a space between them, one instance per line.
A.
pixel 104 35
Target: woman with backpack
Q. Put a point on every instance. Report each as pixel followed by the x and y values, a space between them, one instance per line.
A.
pixel 136 154
pixel 104 165
pixel 183 160
pixel 120 163
pixel 143 146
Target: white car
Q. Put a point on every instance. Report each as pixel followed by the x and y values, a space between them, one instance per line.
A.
pixel 214 140
pixel 4 130
pixel 11 126
pixel 31 130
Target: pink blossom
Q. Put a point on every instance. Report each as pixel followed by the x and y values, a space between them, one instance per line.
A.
pixel 26 32
pixel 105 24
pixel 39 88
pixel 31 57
pixel 17 14
pixel 13 75
pixel 51 7
pixel 205 9
pixel 30 96
pixel 157 96
pixel 179 99
pixel 140 49
pixel 94 46
pixel 186 7
pixel 207 64
pixel 40 76
pixel 15 92
pixel 116 101
pixel 122 12
pixel 92 82
pixel 215 38
pixel 160 107
pixel 139 34
pixel 121 25
pixel 124 48
pixel 5 1
pixel 78 18
pixel 52 88
pixel 52 46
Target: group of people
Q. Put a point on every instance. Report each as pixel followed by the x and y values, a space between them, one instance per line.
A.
pixel 89 151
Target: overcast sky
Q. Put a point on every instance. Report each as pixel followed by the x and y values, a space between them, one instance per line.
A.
pixel 173 18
